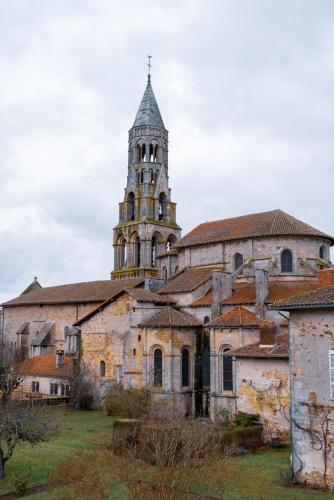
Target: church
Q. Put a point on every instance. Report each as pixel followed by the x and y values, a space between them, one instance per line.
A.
pixel 189 317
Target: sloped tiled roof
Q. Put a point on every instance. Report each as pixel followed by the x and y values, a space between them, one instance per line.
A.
pixel 245 293
pixel 264 224
pixel 279 350
pixel 169 317
pixel 146 296
pixel 43 337
pixel 188 280
pixel 238 317
pixel 321 297
pixel 139 294
pixel 166 253
pixel 46 366
pixel 90 291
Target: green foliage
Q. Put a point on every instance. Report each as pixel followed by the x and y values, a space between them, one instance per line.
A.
pixel 249 438
pixel 19 485
pixel 86 401
pixel 242 419
pixel 223 417
pixel 127 403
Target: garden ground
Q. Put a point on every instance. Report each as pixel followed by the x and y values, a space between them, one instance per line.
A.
pixel 253 476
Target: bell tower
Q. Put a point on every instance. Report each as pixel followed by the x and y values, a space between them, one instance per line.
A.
pixel 147 217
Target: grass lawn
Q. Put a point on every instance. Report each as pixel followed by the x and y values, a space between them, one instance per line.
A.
pixel 254 476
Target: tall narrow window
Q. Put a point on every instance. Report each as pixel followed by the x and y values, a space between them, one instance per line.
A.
pixel 123 254
pixel 162 206
pixel 185 368
pixel 131 206
pixel 136 245
pixel 227 372
pixel 143 153
pixel 331 372
pixel 153 250
pixel 206 320
pixel 157 367
pixel 164 272
pixel 102 369
pixel 206 367
pixel 286 261
pixel 238 260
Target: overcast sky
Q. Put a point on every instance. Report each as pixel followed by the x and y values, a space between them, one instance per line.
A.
pixel 245 88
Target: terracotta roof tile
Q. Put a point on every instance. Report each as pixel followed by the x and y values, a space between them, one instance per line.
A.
pixel 169 317
pixel 316 298
pixel 238 317
pixel 244 293
pixel 279 350
pixel 146 296
pixel 46 366
pixel 188 280
pixel 264 224
pixel 90 291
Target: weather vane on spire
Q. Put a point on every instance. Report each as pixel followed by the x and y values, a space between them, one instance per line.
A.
pixel 149 67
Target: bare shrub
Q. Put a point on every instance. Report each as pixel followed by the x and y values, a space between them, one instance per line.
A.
pixel 127 403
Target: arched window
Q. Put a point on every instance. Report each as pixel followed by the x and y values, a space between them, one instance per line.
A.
pixel 102 369
pixel 238 260
pixel 142 176
pixel 286 261
pixel 136 251
pixel 154 248
pixel 143 152
pixel 206 320
pixel 138 153
pixel 164 272
pixel 123 253
pixel 185 368
pixel 151 176
pixel 162 206
pixel 322 252
pixel 157 367
pixel 227 371
pixel 131 206
pixel 206 367
pixel 170 242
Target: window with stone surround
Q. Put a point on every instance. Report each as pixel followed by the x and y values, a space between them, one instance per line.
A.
pixel 238 261
pixel 227 371
pixel 185 367
pixel 35 386
pixel 286 261
pixel 157 367
pixel 102 369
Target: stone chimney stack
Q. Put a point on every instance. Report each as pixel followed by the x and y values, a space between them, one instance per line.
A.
pixel 222 284
pixel 267 333
pixel 261 289
pixel 325 277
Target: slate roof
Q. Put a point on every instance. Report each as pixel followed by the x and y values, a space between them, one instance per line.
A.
pixel 46 366
pixel 238 317
pixel 148 112
pixel 188 280
pixel 259 225
pixel 90 291
pixel 245 293
pixel 321 297
pixel 43 337
pixel 169 317
pixel 279 350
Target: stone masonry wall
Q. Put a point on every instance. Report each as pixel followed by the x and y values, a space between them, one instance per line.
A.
pixel 312 405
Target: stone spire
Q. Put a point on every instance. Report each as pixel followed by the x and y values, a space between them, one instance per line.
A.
pixel 148 112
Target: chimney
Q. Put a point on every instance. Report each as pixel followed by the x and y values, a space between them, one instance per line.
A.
pixel 222 284
pixel 261 290
pixel 325 277
pixel 267 333
pixel 59 358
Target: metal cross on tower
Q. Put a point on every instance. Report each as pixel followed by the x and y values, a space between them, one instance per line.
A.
pixel 149 67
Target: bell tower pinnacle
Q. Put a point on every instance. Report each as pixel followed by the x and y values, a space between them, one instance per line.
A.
pixel 147 217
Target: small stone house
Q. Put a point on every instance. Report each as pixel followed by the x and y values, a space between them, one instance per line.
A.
pixel 311 339
pixel 261 383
